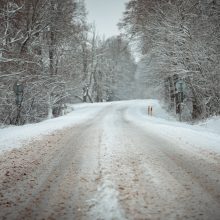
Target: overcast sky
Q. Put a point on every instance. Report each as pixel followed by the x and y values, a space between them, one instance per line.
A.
pixel 106 14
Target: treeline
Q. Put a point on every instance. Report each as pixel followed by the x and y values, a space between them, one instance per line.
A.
pixel 178 38
pixel 50 56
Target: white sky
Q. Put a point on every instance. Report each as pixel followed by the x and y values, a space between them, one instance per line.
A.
pixel 105 14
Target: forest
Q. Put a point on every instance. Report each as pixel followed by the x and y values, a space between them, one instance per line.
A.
pixel 177 39
pixel 50 55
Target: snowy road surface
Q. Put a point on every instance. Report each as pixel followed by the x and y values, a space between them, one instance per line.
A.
pixel 120 164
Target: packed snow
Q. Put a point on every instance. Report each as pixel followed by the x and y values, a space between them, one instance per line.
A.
pixel 112 161
pixel 203 135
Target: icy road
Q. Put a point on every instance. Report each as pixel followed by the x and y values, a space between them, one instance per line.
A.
pixel 117 164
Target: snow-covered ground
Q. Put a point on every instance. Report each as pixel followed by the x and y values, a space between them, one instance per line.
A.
pixel 112 161
pixel 205 134
pixel 212 124
pixel 201 136
pixel 15 136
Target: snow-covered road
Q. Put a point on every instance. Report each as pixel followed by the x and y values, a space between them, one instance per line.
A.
pixel 118 164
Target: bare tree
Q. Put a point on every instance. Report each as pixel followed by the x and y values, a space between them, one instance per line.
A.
pixel 178 37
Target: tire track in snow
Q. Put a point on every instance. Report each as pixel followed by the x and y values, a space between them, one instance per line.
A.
pixel 105 204
pixel 111 168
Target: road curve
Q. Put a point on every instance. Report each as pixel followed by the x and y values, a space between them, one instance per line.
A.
pixel 108 168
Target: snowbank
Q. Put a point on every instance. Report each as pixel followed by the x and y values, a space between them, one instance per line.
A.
pixel 201 136
pixel 212 124
pixel 14 136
